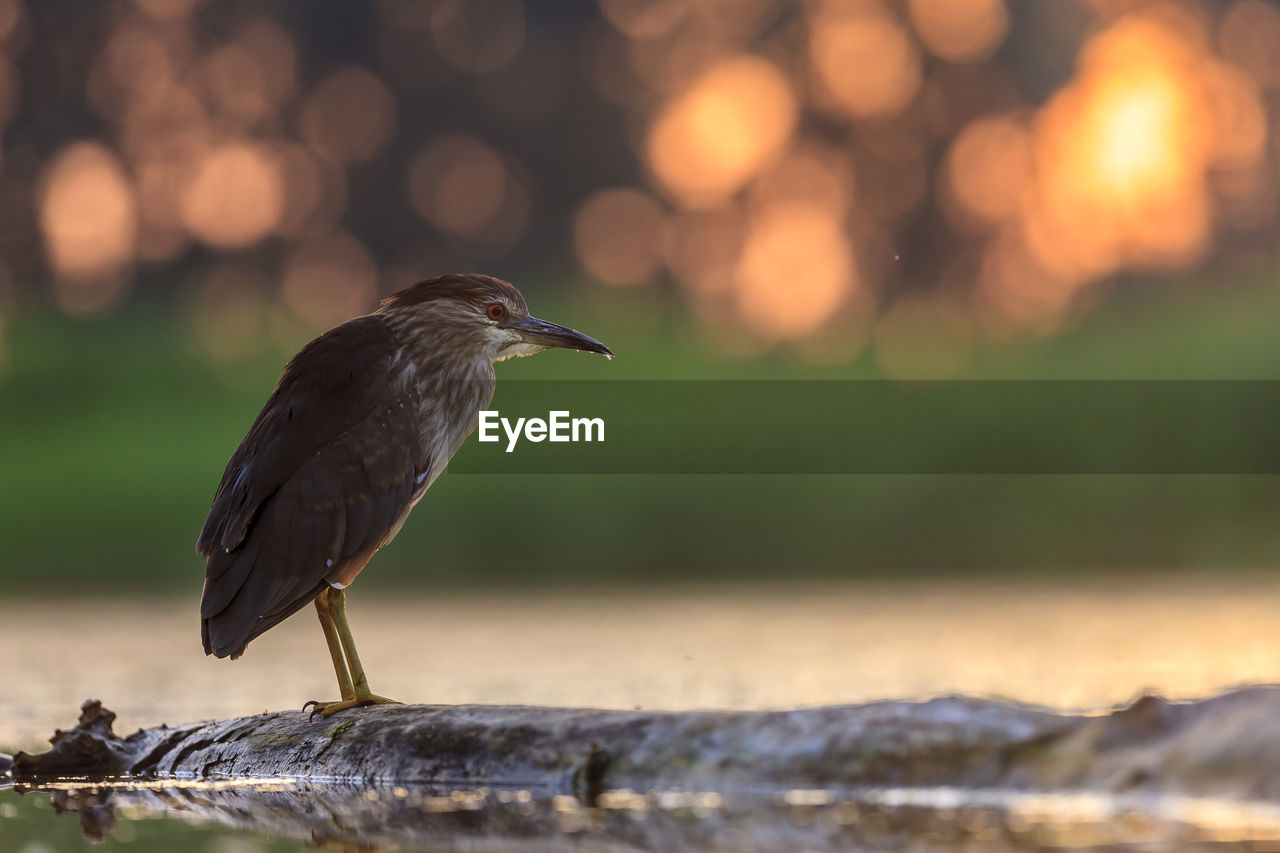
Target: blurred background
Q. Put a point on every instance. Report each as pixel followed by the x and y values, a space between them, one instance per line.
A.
pixel 717 188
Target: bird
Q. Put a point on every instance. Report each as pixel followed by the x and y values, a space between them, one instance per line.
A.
pixel 360 424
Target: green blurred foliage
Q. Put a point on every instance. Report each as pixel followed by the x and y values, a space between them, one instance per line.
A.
pixel 113 434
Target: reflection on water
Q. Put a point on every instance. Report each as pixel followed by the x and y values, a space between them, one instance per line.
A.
pixel 488 819
pixel 1065 646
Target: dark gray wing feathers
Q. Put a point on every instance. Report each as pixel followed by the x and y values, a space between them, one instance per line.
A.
pixel 324 473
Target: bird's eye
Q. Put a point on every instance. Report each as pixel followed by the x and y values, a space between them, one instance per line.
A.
pixel 496 311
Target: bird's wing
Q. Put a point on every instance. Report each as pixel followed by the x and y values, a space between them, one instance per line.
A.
pixel 319 527
pixel 320 496
pixel 325 390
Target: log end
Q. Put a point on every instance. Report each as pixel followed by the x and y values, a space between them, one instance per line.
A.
pixel 92 748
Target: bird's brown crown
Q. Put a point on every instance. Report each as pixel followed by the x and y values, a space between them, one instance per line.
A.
pixel 473 288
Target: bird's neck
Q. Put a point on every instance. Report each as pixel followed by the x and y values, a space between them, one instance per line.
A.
pixel 450 381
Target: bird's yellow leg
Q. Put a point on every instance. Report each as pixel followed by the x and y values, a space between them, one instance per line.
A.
pixel 325 612
pixel 358 681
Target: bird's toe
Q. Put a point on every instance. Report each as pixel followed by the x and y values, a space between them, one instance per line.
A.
pixel 324 709
pixel 328 709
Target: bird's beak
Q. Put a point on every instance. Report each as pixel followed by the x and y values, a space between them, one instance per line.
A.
pixel 542 333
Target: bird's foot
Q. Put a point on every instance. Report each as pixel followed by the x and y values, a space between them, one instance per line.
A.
pixel 328 709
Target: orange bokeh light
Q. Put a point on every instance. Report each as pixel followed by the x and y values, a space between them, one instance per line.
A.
pixel 865 62
pixel 479 36
pixel 349 116
pixel 88 212
pixel 795 271
pixel 960 30
pixel 1238 117
pixel 1248 36
pixel 1114 171
pixel 1121 155
pixel 701 247
pixel 818 177
pixel 1016 290
pixel 735 119
pixel 741 19
pixel 275 57
pixel 330 279
pixel 136 71
pixel 644 18
pixel 459 185
pixel 1131 134
pixel 235 196
pixel 236 84
pixel 315 192
pixel 666 65
pixel 170 123
pixel 617 234
pixel 988 168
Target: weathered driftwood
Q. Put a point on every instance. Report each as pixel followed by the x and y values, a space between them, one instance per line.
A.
pixel 880 776
pixel 568 751
pixel 1226 746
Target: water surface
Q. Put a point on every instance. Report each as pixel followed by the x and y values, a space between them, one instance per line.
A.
pixel 1087 645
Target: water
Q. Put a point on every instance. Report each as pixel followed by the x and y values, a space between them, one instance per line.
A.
pixel 1083 646
pixel 242 816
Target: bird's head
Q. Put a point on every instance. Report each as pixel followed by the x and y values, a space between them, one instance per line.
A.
pixel 481 314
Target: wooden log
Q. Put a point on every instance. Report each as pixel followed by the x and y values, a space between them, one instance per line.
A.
pixel 1228 745
pixel 567 751
pixel 847 777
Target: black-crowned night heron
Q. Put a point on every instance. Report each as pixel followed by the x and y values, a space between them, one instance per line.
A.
pixel 359 426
